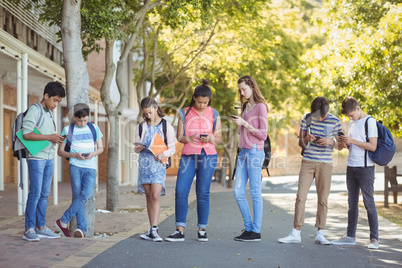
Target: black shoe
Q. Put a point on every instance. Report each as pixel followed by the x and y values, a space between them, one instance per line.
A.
pixel 243 235
pixel 252 237
pixel 176 236
pixel 202 236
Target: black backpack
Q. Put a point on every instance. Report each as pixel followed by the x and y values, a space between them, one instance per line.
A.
pixel 267 152
pixel 164 130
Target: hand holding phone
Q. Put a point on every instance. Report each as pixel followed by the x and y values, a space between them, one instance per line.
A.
pixel 85 154
pixel 340 133
pixel 203 135
pixel 233 116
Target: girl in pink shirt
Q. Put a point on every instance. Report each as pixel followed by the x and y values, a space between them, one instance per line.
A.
pixel 253 129
pixel 200 130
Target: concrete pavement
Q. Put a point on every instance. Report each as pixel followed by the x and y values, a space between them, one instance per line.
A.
pixel 125 248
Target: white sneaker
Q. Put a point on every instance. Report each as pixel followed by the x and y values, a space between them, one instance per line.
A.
pixel 320 239
pixel 373 244
pixel 346 240
pixel 152 235
pixel 292 238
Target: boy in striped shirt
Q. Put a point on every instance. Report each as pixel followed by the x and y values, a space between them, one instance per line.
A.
pixel 86 144
pixel 318 136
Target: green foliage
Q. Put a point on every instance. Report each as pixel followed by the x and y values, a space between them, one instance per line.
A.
pixel 362 58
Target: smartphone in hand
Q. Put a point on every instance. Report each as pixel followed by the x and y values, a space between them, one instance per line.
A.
pixel 203 135
pixel 340 133
pixel 85 154
pixel 233 116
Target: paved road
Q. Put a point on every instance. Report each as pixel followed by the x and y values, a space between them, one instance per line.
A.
pixel 225 222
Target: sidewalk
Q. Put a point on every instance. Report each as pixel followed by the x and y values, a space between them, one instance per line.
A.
pixel 225 221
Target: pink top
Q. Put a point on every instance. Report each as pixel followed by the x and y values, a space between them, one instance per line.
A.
pixel 199 124
pixel 257 117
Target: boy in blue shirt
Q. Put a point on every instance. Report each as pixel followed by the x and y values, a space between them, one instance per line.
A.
pixel 86 144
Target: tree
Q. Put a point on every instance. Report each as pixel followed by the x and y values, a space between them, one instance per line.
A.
pixel 362 57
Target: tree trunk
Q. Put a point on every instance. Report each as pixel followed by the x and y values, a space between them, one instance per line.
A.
pixel 77 79
pixel 112 189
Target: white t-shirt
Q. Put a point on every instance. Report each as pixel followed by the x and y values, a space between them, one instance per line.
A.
pixel 357 131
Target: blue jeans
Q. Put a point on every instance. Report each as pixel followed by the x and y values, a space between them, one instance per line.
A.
pixel 82 187
pixel 361 178
pixel 249 166
pixel 203 166
pixel 40 180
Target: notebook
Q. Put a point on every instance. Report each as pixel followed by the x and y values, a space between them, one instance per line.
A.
pixel 34 147
pixel 157 145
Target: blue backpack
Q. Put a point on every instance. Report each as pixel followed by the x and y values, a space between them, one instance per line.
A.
pixel 385 145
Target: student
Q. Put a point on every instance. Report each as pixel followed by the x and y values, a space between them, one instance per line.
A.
pixel 318 142
pixel 151 170
pixel 253 128
pixel 360 172
pixel 199 157
pixel 40 166
pixel 82 167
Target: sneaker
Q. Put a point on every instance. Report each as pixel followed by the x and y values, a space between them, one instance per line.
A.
pixel 243 235
pixel 78 233
pixel 373 244
pixel 320 239
pixel 63 231
pixel 146 235
pixel 202 236
pixel 30 235
pixel 346 240
pixel 252 237
pixel 292 238
pixel 176 236
pixel 154 234
pixel 46 233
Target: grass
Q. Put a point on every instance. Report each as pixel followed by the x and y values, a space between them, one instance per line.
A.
pixel 393 213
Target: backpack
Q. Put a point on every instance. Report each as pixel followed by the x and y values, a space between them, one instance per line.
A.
pixel 164 130
pixel 267 152
pixel 385 145
pixel 308 125
pixel 183 115
pixel 67 148
pixel 19 149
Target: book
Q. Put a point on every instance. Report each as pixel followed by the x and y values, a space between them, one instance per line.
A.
pixel 157 146
pixel 34 147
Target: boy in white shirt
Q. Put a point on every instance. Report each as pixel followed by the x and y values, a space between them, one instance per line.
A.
pixel 360 171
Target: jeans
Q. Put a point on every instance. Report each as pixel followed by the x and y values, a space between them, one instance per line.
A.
pixel 40 180
pixel 203 166
pixel 361 178
pixel 82 187
pixel 249 166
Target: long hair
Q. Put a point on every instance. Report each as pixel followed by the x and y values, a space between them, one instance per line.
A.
pixel 257 95
pixel 150 103
pixel 202 90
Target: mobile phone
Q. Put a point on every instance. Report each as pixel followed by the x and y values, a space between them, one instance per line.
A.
pixel 65 136
pixel 317 138
pixel 203 135
pixel 340 133
pixel 233 116
pixel 139 144
pixel 85 154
